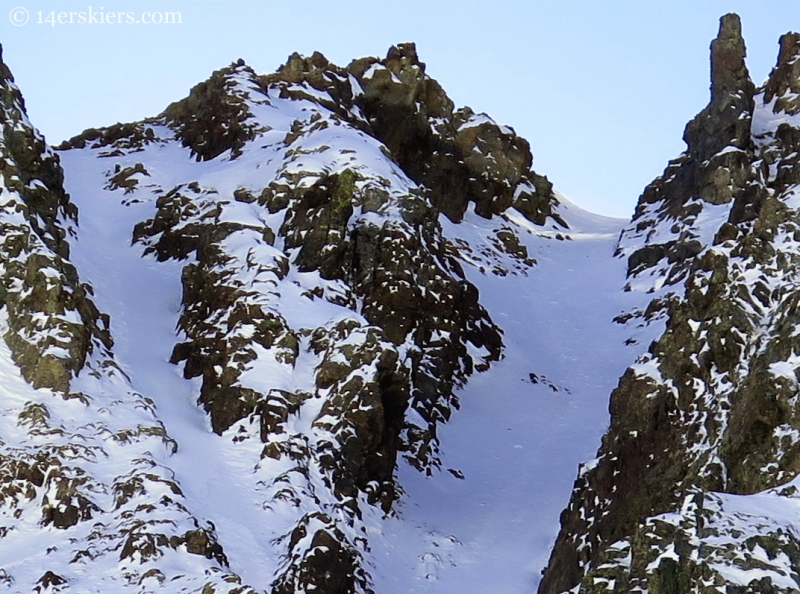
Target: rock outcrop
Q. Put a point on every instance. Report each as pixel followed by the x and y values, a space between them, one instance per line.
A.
pixel 458 156
pixel 37 275
pixel 710 411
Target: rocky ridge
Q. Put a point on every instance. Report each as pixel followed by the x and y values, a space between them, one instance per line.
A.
pixel 709 413
pixel 325 313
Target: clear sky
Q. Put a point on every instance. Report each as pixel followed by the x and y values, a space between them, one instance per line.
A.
pixel 602 90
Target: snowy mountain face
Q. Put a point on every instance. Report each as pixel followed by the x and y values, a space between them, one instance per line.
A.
pixel 321 331
pixel 694 488
pixel 300 231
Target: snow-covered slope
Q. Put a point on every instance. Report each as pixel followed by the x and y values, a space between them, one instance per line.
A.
pixel 509 452
pixel 525 424
pixel 302 277
pixel 87 495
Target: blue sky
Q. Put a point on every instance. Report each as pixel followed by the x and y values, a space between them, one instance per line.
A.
pixel 602 90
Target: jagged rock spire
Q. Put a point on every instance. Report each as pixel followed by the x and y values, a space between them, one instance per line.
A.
pixel 784 80
pixel 728 71
pixel 699 414
pixel 727 118
pixel 717 165
pixel 634 480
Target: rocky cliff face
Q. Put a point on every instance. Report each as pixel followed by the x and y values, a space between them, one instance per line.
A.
pixel 327 317
pixel 695 476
